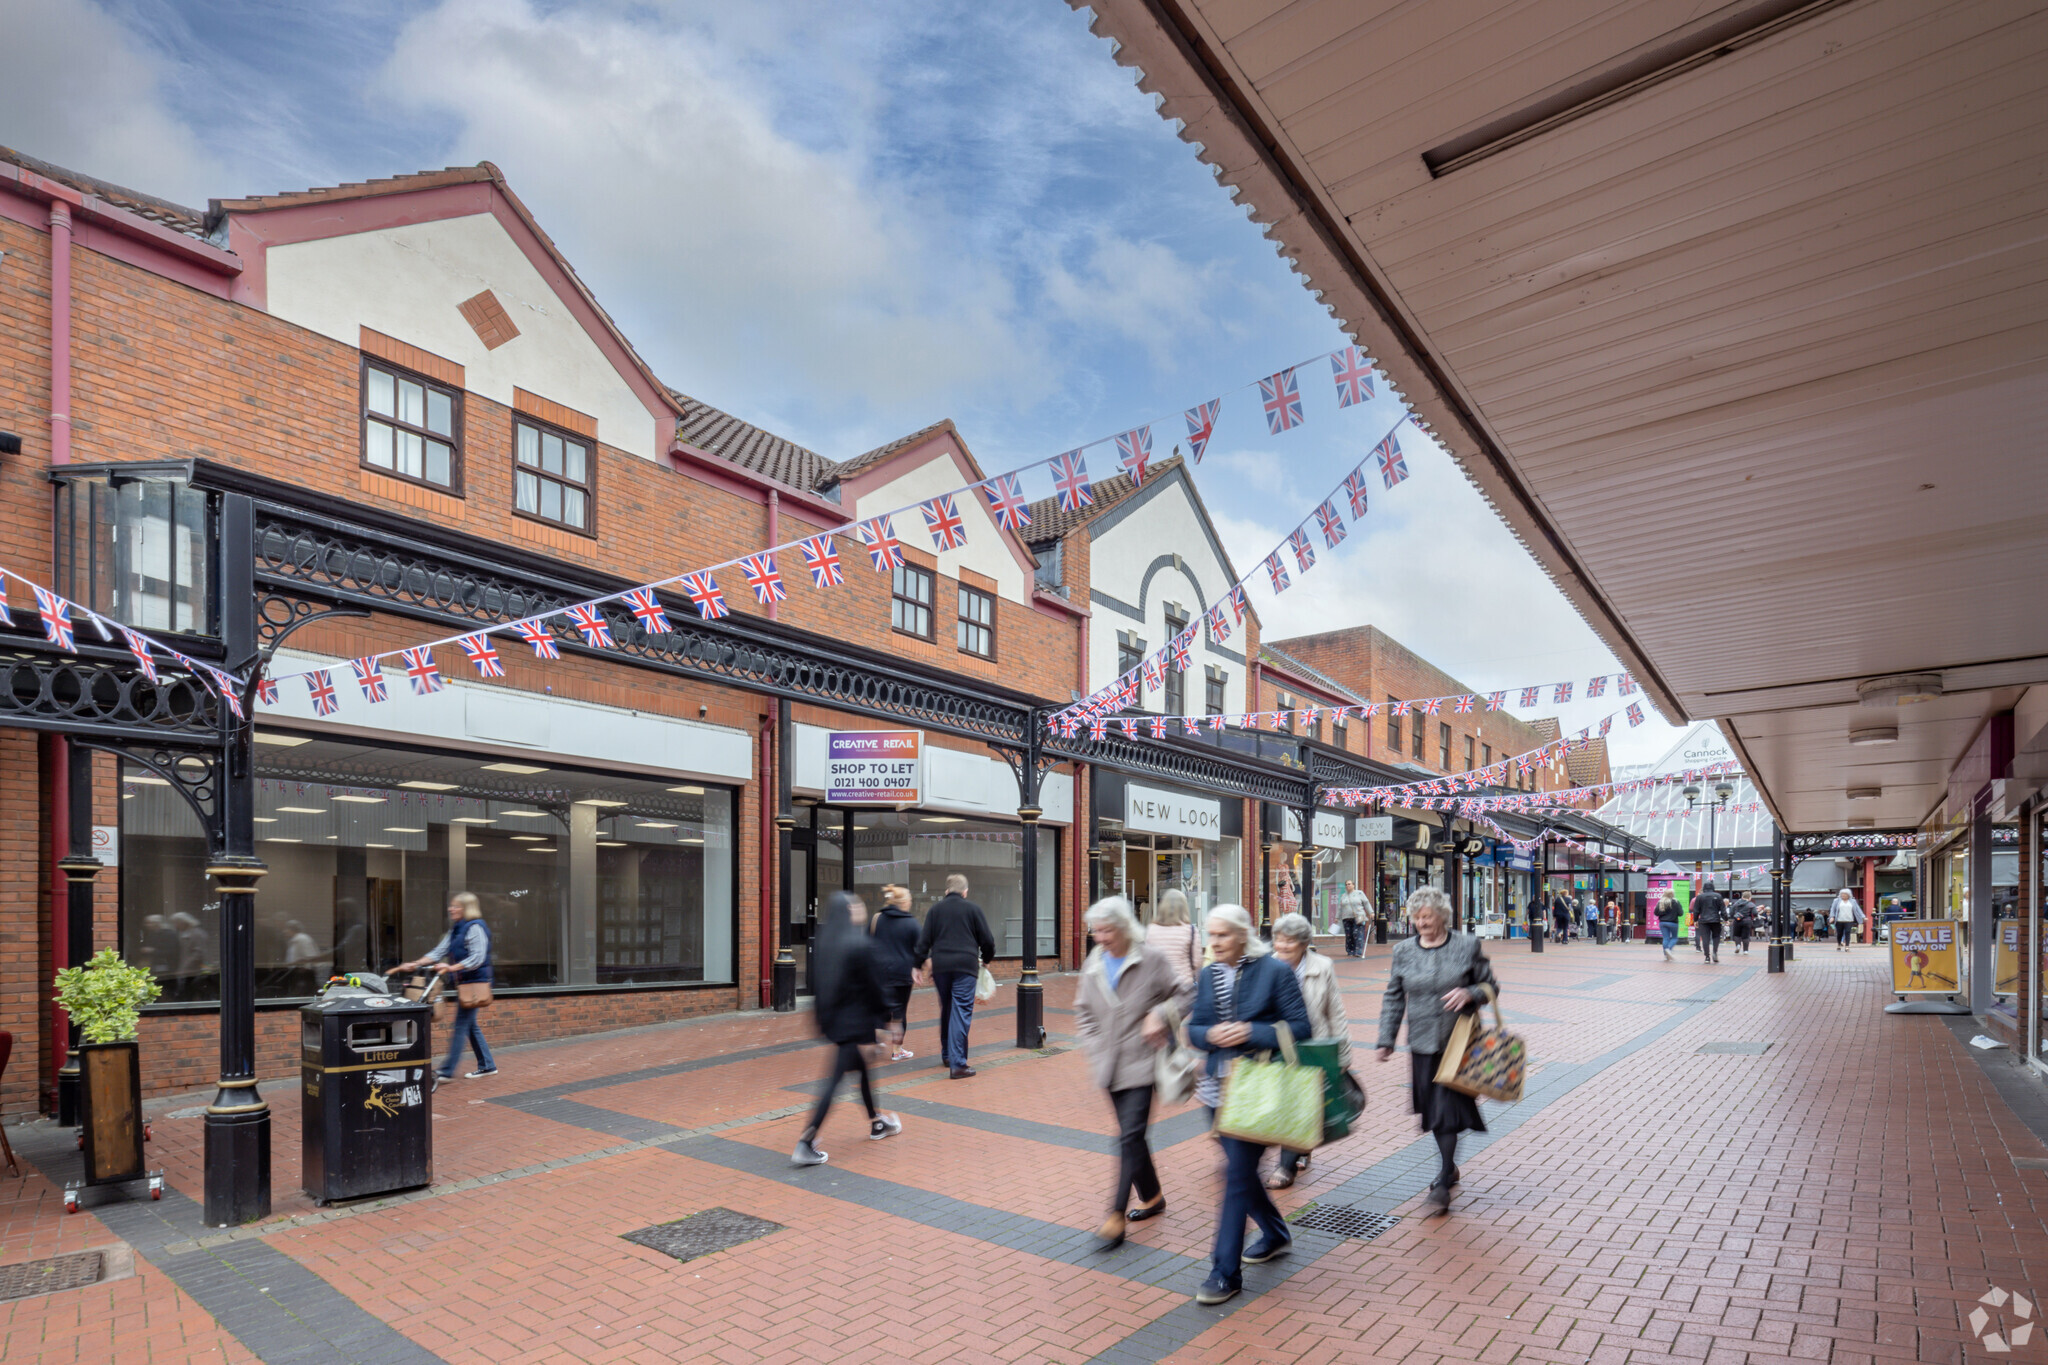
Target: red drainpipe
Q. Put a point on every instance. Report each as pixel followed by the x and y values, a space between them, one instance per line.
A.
pixel 57 775
pixel 766 769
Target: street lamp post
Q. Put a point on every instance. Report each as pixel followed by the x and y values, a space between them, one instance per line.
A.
pixel 1722 791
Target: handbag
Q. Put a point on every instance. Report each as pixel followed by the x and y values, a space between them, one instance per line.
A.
pixel 1343 1097
pixel 1273 1103
pixel 1480 1061
pixel 985 985
pixel 1177 1067
pixel 473 995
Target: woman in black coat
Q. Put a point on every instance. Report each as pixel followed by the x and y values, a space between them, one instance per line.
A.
pixel 851 1011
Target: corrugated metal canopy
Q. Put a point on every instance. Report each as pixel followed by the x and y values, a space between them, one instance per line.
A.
pixel 1751 353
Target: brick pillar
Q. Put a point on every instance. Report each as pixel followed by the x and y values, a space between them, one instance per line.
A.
pixel 1870 900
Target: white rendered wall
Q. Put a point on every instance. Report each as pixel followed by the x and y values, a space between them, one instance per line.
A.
pixel 1118 560
pixel 987 550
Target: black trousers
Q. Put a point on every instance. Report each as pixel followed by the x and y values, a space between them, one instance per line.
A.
pixel 1710 940
pixel 1844 928
pixel 1134 1170
pixel 1742 932
pixel 846 1057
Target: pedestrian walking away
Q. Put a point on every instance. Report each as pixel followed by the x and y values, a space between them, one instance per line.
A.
pixel 1669 912
pixel 1745 914
pixel 1173 938
pixel 1708 913
pixel 894 931
pixel 1435 977
pixel 1354 908
pixel 851 1014
pixel 1121 1017
pixel 1560 915
pixel 1847 916
pixel 464 953
pixel 1317 976
pixel 953 944
pixel 1242 994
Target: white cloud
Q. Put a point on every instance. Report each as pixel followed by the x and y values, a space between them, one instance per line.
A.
pixel 1141 290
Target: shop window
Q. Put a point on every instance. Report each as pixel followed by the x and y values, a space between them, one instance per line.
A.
pixel 910 601
pixel 554 477
pixel 1394 710
pixel 1212 692
pixel 919 851
pixel 1470 764
pixel 411 426
pixel 977 626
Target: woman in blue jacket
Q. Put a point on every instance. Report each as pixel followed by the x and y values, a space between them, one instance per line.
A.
pixel 464 953
pixel 1239 999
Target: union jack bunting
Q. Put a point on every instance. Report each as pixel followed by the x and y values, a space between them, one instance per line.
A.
pixel 1202 426
pixel 230 695
pixel 1282 397
pixel 1496 700
pixel 1433 706
pixel 763 578
pixel 1596 687
pixel 1006 499
pixel 1216 722
pixel 1531 695
pixel 1353 371
pixel 1369 710
pixel 1135 452
pixel 1393 468
pixel 646 609
pixel 139 647
pixel 597 632
pixel 1304 553
pixel 320 687
pixel 822 559
pixel 1278 572
pixel 56 614
pixel 6 618
pixel 1562 695
pixel 1157 725
pixel 266 691
pixel 1219 625
pixel 1155 673
pixel 1606 724
pixel 702 590
pixel 1309 719
pixel 421 670
pixel 1330 524
pixel 1070 477
pixel 1178 656
pixel 1238 606
pixel 879 535
pixel 539 636
pixel 1098 728
pixel 370 678
pixel 1625 684
pixel 1635 713
pixel 1190 726
pixel 483 654
pixel 1354 488
pixel 942 519
pixel 1523 763
pixel 1464 705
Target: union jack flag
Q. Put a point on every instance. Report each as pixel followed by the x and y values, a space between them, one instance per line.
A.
pixel 1157 725
pixel 763 578
pixel 139 647
pixel 1464 705
pixel 1216 722
pixel 1353 370
pixel 1330 524
pixel 1098 728
pixel 822 559
pixel 1626 684
pixel 879 535
pixel 483 654
pixel 320 686
pixel 1531 695
pixel 1282 397
pixel 1238 605
pixel 1496 700
pixel 1070 477
pixel 1562 695
pixel 1136 445
pixel 646 609
pixel 1177 653
pixel 1190 727
pixel 6 618
pixel 266 691
pixel 597 632
pixel 1433 706
pixel 421 669
pixel 56 614
pixel 1523 763
pixel 1219 625
pixel 370 677
pixel 1155 673
pixel 1635 713
pixel 702 590
pixel 1393 468
pixel 1202 426
pixel 1304 553
pixel 1369 710
pixel 224 683
pixel 1309 718
pixel 1006 499
pixel 942 519
pixel 1278 572
pixel 540 637
pixel 1596 687
pixel 1354 488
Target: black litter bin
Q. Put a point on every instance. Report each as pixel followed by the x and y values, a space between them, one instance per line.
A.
pixel 1535 936
pixel 366 1082
pixel 1600 932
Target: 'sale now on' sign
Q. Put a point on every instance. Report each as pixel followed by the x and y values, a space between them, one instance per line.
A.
pixel 874 767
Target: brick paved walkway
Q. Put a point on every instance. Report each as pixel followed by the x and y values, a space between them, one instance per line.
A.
pixel 1846 1196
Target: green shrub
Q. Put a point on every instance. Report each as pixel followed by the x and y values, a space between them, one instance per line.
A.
pixel 103 997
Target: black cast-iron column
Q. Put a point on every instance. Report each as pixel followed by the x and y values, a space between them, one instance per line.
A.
pixel 1030 994
pixel 783 973
pixel 1265 874
pixel 79 866
pixel 1780 924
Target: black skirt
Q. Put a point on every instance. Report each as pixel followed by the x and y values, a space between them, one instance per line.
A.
pixel 1440 1108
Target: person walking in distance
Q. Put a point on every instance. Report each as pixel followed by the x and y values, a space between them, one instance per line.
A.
pixel 1242 995
pixel 1355 909
pixel 1435 977
pixel 1743 914
pixel 1171 936
pixel 1847 917
pixel 1293 944
pixel 850 1013
pixel 1669 912
pixel 1708 913
pixel 464 953
pixel 1560 916
pixel 1120 1017
pixel 894 931
pixel 954 943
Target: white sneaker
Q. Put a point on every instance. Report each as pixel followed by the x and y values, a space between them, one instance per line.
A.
pixel 902 1054
pixel 806 1155
pixel 884 1126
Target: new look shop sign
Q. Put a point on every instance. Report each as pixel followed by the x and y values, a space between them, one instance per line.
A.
pixel 874 767
pixel 1148 810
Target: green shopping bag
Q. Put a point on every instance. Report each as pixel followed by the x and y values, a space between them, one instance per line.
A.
pixel 1343 1097
pixel 1273 1103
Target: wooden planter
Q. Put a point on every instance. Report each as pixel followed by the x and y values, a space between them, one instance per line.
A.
pixel 110 1111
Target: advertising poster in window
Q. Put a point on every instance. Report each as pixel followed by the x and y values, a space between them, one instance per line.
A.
pixel 2005 967
pixel 874 767
pixel 1924 957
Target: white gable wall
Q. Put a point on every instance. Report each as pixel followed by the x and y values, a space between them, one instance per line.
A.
pixel 986 552
pixel 1119 559
pixel 408 282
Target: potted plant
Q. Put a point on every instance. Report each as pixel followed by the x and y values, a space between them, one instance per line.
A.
pixel 104 999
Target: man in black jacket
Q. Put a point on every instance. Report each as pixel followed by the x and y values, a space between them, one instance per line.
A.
pixel 895 932
pixel 1744 915
pixel 1708 911
pixel 953 945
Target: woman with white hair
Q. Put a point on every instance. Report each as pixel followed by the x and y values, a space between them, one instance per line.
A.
pixel 1434 977
pixel 1120 1015
pixel 1173 938
pixel 1293 944
pixel 1242 996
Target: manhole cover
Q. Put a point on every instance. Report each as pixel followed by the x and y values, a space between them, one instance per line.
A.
pixel 1737 1049
pixel 75 1271
pixel 1345 1222
pixel 703 1233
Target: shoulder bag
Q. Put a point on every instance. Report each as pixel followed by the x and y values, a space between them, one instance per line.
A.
pixel 473 995
pixel 1177 1067
pixel 1273 1103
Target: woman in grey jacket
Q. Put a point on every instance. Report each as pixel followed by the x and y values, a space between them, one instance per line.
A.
pixel 1434 977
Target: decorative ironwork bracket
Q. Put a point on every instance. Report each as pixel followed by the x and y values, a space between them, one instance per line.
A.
pixel 99 692
pixel 194 774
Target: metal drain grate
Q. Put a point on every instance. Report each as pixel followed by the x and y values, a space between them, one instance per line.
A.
pixel 29 1278
pixel 1344 1221
pixel 1736 1049
pixel 702 1233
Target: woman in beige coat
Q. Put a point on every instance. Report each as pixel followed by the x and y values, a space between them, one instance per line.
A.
pixel 1173 938
pixel 1120 1015
pixel 1317 976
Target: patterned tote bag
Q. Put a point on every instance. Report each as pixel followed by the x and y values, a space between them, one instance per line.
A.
pixel 1481 1061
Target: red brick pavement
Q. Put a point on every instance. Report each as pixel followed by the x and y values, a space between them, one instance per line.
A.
pixel 1845 1197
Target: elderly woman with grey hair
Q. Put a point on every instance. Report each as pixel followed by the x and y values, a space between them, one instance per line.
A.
pixel 1434 977
pixel 1121 1015
pixel 1317 977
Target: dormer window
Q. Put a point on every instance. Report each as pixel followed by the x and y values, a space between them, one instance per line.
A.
pixel 412 427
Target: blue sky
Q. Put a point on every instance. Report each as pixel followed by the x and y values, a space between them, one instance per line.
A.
pixel 841 223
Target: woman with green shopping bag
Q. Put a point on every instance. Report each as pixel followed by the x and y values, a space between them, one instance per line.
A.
pixel 1244 1003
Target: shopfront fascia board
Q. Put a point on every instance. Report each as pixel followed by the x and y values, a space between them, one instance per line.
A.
pixel 956 781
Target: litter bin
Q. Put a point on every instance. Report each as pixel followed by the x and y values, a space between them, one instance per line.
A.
pixel 365 1082
pixel 1600 932
pixel 1535 936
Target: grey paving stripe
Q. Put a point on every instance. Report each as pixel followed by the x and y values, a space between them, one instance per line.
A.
pixel 1594 983
pixel 279 1309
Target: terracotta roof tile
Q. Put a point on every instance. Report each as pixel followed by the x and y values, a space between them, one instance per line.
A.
pixel 177 217
pixel 362 189
pixel 1050 522
pixel 1588 766
pixel 748 446
pixel 860 464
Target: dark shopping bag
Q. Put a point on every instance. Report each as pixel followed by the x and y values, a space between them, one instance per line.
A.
pixel 1343 1097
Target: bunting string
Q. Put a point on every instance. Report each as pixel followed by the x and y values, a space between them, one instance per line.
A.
pixel 60 616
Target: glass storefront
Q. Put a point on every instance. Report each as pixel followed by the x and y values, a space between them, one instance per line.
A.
pixel 586 879
pixel 921 849
pixel 1207 871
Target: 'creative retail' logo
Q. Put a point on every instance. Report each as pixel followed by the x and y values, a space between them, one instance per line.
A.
pixel 2001 1339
